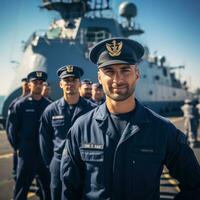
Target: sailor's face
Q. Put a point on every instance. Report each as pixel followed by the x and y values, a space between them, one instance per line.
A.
pixel 86 90
pixel 25 87
pixel 97 93
pixel 118 81
pixel 46 91
pixel 36 86
pixel 70 85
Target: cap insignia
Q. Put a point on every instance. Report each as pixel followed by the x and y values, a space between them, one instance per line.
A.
pixel 69 68
pixel 39 74
pixel 114 49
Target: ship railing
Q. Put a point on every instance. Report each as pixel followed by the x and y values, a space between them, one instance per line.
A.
pixel 94 37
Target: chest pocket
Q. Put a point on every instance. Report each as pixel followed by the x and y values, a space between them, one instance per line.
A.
pixel 146 155
pixel 94 164
pixel 146 170
pixel 92 155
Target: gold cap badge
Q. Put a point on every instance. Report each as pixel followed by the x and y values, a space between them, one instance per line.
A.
pixel 114 49
pixel 39 74
pixel 69 68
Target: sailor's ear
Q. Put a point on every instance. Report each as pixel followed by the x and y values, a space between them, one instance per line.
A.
pixel 99 77
pixel 79 84
pixel 29 85
pixel 61 83
pixel 137 72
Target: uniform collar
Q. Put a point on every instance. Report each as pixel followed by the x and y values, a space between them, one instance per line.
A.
pixel 140 114
pixel 63 103
pixel 30 98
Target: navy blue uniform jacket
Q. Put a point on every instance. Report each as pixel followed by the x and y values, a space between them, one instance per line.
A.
pixel 24 129
pixel 97 165
pixel 55 123
pixel 9 121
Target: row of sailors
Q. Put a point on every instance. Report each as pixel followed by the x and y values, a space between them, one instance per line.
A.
pixel 56 122
pixel 116 150
pixel 35 121
pixel 88 90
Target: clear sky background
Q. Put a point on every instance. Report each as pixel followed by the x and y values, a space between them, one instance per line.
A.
pixel 172 29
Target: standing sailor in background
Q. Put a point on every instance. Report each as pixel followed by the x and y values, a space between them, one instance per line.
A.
pixel 25 133
pixel 198 106
pixel 118 150
pixel 197 117
pixel 86 89
pixel 9 120
pixel 98 96
pixel 46 91
pixel 198 109
pixel 190 121
pixel 56 121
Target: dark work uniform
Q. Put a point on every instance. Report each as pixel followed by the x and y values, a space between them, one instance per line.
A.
pixel 24 132
pixel 56 120
pixel 9 121
pixel 98 102
pixel 100 161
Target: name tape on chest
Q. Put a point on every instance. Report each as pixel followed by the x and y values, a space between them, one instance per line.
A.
pixel 29 110
pixel 58 117
pixel 92 146
pixel 147 150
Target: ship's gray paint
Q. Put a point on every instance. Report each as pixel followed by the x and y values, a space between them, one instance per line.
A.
pixel 46 53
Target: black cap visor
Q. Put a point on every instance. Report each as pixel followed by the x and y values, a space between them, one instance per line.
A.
pixel 33 79
pixel 115 62
pixel 69 75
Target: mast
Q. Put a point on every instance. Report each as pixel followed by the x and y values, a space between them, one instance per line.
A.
pixel 75 8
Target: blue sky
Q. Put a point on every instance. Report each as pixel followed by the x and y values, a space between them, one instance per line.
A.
pixel 172 28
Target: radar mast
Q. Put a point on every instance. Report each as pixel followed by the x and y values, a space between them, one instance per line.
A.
pixel 128 10
pixel 75 8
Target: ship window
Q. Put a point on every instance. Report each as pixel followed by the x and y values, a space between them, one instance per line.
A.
pixel 157 77
pixel 54 33
pixel 144 76
pixel 164 71
pixel 96 34
pixel 150 92
pixel 150 64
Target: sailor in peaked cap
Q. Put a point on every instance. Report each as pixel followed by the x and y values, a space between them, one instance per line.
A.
pixel 116 51
pixel 24 124
pixel 86 81
pixel 57 119
pixel 86 89
pixel 37 75
pixel 70 71
pixel 120 140
pixel 114 56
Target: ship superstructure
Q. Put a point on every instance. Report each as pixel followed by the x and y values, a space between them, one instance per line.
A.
pixel 69 39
